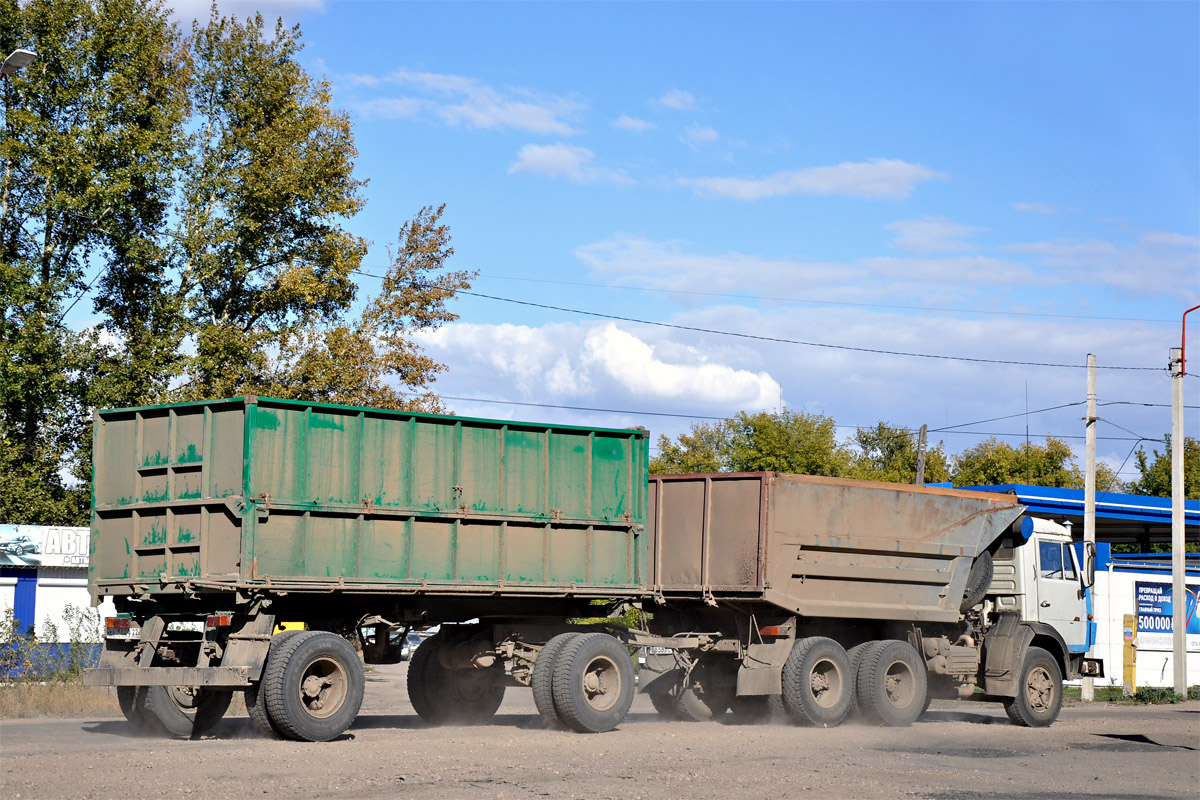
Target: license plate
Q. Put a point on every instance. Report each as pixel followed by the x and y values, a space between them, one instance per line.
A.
pixel 124 633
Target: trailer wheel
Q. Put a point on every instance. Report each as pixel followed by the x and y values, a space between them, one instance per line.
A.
pixel 1039 691
pixel 751 709
pixel 132 701
pixel 983 569
pixel 699 706
pixel 443 696
pixel 256 698
pixel 664 704
pixel 593 683
pixel 892 684
pixel 816 682
pixel 314 686
pixel 541 681
pixel 183 712
pixel 419 693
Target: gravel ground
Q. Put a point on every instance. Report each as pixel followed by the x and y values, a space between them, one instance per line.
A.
pixel 963 750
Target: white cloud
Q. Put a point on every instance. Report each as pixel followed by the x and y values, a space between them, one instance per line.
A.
pixel 677 99
pixel 459 100
pixel 930 235
pixel 565 161
pixel 878 178
pixel 697 136
pixel 1039 208
pixel 628 123
pixel 393 107
pixel 1169 240
pixel 1156 263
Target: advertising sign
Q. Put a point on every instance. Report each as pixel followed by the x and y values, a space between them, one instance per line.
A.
pixel 43 546
pixel 1155 608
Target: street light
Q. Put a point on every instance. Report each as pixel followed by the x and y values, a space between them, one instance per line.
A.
pixel 16 61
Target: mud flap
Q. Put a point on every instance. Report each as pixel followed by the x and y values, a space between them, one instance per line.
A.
pixel 761 671
pixel 1003 651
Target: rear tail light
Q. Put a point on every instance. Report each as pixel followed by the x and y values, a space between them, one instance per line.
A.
pixel 218 621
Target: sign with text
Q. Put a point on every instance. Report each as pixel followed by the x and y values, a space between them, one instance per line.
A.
pixel 1155 609
pixel 44 546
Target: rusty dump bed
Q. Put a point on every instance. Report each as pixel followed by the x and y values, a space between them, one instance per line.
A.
pixel 282 495
pixel 821 547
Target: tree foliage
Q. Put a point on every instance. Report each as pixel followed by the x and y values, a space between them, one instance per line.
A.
pixel 194 190
pixel 889 453
pixel 1154 471
pixel 1051 463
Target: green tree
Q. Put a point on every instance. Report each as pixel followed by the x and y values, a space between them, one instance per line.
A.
pixel 889 453
pixel 85 168
pixel 702 449
pixel 1154 471
pixel 1049 464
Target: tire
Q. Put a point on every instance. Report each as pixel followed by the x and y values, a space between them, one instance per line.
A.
pixel 779 712
pixel 314 686
pixel 816 682
pixel 256 699
pixel 892 684
pixel 443 696
pixel 664 704
pixel 752 709
pixel 184 712
pixel 978 581
pixel 593 683
pixel 855 654
pixel 132 701
pixel 1039 691
pixel 542 679
pixel 423 700
pixel 695 706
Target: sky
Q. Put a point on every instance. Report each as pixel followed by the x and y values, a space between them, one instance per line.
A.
pixel 1002 182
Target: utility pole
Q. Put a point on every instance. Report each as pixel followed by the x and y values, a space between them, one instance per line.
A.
pixel 921 455
pixel 1178 596
pixel 1087 687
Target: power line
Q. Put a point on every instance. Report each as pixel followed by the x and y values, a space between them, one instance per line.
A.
pixel 1122 427
pixel 948 428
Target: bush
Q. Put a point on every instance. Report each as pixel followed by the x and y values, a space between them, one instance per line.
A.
pixel 24 657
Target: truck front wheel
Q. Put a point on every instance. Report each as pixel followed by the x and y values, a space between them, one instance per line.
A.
pixel 817 682
pixel 1039 691
pixel 314 686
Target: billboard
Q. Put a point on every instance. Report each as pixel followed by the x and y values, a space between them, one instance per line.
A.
pixel 43 546
pixel 1155 608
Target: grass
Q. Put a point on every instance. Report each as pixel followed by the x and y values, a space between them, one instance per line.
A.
pixel 1146 695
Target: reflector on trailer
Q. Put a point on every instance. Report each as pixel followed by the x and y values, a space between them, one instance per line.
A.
pixel 771 630
pixel 218 620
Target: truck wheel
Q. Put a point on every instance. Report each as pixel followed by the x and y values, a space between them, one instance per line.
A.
pixel 132 700
pixel 700 706
pixel 593 683
pixel 664 704
pixel 184 712
pixel 472 696
pixel 751 709
pixel 978 580
pixel 1039 691
pixel 779 711
pixel 419 694
pixel 892 684
pixel 256 699
pixel 542 679
pixel 314 686
pixel 855 654
pixel 816 682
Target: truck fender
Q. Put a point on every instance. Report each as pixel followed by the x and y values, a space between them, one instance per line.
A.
pixel 1049 639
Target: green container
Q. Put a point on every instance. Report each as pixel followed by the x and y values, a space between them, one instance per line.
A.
pixel 286 495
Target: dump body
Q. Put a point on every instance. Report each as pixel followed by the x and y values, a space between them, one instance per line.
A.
pixel 821 547
pixel 274 495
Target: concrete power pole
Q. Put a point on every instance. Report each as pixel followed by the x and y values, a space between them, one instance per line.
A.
pixel 1178 597
pixel 1087 687
pixel 921 445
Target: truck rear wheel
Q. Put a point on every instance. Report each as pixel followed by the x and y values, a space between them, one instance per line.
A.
pixel 256 698
pixel 131 700
pixel 751 709
pixel 541 681
pixel 892 684
pixel 593 683
pixel 183 712
pixel 816 682
pixel 314 686
pixel 1039 691
pixel 664 704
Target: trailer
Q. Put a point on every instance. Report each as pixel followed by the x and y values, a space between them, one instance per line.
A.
pixel 545 554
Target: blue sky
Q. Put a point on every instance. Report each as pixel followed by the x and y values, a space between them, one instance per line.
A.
pixel 835 173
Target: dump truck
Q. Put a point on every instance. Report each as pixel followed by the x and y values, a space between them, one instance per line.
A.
pixel 543 556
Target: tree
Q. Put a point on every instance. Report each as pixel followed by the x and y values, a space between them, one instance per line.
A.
pixel 764 442
pixel 87 152
pixel 888 453
pixel 1050 464
pixel 1154 472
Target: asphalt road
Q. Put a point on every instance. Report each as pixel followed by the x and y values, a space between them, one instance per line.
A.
pixel 957 751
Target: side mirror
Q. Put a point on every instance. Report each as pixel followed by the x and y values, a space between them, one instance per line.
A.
pixel 1089 564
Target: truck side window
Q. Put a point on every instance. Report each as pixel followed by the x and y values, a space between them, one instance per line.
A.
pixel 1069 564
pixel 1050 560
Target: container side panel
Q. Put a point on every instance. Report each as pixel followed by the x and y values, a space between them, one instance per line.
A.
pixel 682 531
pixel 222 542
pixel 189 436
pixel 279 544
pixel 611 464
pixel 481 468
pixel 525 471
pixel 385 461
pixel 432 551
pixel 525 554
pixel 156 447
pixel 569 485
pixel 329 546
pixel 112 546
pixel 610 557
pixel 114 454
pixel 383 549
pixel 186 527
pixel 223 465
pixel 333 454
pixel 733 537
pixel 435 445
pixel 278 445
pixel 478 553
pixel 568 555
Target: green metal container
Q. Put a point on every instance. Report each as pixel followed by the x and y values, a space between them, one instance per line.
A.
pixel 262 494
